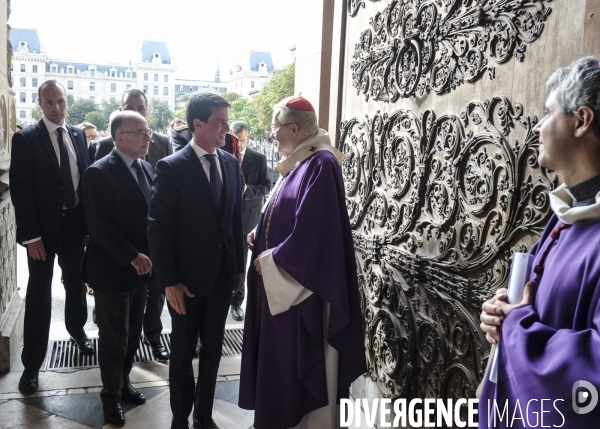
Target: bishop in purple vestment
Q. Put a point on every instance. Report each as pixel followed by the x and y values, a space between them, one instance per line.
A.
pixel 303 338
pixel 549 344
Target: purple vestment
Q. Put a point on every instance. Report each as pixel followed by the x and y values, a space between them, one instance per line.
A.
pixel 545 348
pixel 283 368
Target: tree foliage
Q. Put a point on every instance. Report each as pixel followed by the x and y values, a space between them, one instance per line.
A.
pixel 181 114
pixel 98 119
pixel 107 107
pixel 159 115
pixel 79 108
pixel 279 87
pixel 36 113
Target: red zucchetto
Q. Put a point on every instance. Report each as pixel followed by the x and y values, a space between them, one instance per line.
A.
pixel 297 102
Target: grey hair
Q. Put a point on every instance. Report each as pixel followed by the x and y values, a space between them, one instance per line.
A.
pixel 238 126
pixel 578 85
pixel 307 121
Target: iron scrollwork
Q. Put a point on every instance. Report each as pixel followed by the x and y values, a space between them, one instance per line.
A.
pixel 415 46
pixel 437 205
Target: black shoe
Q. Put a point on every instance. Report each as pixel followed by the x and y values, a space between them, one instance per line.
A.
pixel 113 414
pixel 28 383
pixel 178 424
pixel 159 351
pixel 84 344
pixel 205 423
pixel 198 347
pixel 132 396
pixel 237 313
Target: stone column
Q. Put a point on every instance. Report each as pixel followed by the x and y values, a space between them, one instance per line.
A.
pixel 12 308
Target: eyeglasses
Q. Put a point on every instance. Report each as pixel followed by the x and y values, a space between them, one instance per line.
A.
pixel 140 133
pixel 274 127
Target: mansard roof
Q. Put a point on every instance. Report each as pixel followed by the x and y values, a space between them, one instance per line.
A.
pixel 30 36
pixel 259 57
pixel 102 68
pixel 149 48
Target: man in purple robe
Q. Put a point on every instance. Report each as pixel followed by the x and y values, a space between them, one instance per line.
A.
pixel 549 345
pixel 303 339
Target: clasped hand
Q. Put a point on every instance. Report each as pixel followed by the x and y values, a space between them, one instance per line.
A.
pixel 496 309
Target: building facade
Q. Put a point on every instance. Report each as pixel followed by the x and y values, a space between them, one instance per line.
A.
pixel 151 71
pixel 184 88
pixel 251 72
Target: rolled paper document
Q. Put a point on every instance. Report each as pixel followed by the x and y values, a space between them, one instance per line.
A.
pixel 517 278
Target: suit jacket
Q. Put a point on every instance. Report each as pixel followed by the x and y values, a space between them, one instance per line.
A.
pixel 180 138
pixel 116 216
pixel 158 149
pixel 254 168
pixel 187 233
pixel 36 186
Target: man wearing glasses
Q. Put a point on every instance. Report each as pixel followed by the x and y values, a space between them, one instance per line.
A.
pixel 117 265
pixel 159 147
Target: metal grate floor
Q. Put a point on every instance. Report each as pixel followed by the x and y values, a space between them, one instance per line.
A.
pixel 63 354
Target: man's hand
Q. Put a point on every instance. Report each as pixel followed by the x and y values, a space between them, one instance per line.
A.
pixel 36 250
pixel 142 264
pixel 175 296
pixel 257 266
pixel 496 309
pixel 250 240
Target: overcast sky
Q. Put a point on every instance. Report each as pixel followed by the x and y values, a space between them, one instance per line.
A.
pixel 198 32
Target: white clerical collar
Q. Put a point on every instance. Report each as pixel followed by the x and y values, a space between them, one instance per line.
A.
pixel 51 126
pixel 320 141
pixel 561 202
pixel 201 152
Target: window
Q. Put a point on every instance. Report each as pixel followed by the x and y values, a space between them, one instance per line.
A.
pixel 166 90
pixel 34 82
pixel 128 74
pixel 92 86
pixel 34 69
pixel 145 76
pixel 69 84
pixel 22 114
pixel 113 87
pixel 92 98
pixel 127 86
pixel 156 90
pixel 92 73
pixel 53 69
pixel 181 87
pixel 113 74
pixel 166 78
pixel 145 89
pixel 22 67
pixel 155 78
pixel 23 97
pixel 23 82
pixel 34 98
pixel 252 84
pixel 70 70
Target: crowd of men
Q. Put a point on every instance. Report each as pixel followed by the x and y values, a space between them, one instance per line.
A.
pixel 139 216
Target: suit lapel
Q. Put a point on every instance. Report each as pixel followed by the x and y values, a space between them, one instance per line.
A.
pixel 198 171
pixel 224 167
pixel 119 167
pixel 47 143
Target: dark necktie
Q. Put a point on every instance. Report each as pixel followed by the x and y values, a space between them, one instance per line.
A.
pixel 65 171
pixel 142 181
pixel 216 185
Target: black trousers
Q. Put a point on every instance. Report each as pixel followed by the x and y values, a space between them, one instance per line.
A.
pixel 38 301
pixel 154 307
pixel 119 316
pixel 238 298
pixel 205 317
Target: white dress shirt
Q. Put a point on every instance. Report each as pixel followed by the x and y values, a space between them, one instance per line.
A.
pixel 205 163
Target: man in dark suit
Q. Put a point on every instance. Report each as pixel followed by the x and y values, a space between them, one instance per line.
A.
pixel 257 186
pixel 117 196
pixel 195 234
pixel 48 161
pixel 134 99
